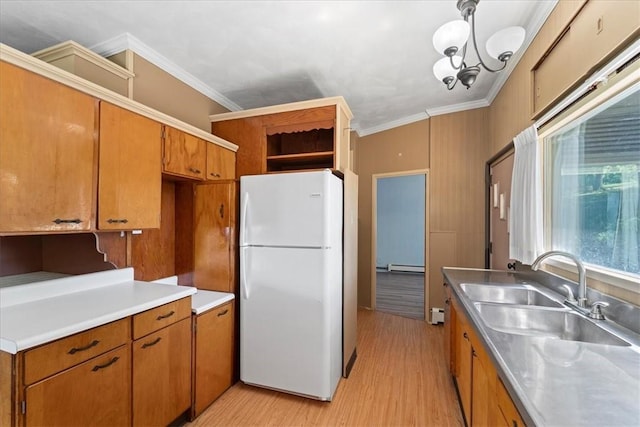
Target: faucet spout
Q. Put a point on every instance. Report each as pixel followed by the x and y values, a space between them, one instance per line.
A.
pixel 582 274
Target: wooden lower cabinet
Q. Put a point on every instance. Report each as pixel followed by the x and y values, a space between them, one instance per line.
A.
pixel 213 344
pixel 483 398
pixel 162 375
pixel 96 392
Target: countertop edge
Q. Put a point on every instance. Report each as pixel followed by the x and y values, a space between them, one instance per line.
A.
pixel 13 347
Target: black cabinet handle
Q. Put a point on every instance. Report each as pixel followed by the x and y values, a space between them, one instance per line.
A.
pixel 194 170
pixel 221 211
pixel 511 265
pixel 222 313
pixel 473 353
pixel 164 316
pixel 215 175
pixel 117 221
pixel 447 301
pixel 67 221
pixel 74 350
pixel 106 365
pixel 514 423
pixel 466 337
pixel 152 343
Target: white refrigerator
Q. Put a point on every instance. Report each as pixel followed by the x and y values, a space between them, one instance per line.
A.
pixel 291 282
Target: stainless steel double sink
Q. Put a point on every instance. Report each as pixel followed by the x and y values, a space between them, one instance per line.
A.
pixel 524 309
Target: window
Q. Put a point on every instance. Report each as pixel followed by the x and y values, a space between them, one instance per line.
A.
pixel 592 171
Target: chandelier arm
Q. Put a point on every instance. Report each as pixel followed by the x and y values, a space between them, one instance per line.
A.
pixel 454 66
pixel 475 46
pixel 454 84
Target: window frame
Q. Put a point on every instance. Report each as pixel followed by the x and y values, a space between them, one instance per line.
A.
pixel 607 88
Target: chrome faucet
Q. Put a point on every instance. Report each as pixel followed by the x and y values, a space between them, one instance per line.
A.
pixel 582 275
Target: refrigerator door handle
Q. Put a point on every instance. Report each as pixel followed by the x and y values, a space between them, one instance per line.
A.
pixel 243 273
pixel 243 219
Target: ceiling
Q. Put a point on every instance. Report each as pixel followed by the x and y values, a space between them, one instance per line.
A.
pixel 378 55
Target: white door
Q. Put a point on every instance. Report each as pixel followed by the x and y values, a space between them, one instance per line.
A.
pixel 290 210
pixel 285 320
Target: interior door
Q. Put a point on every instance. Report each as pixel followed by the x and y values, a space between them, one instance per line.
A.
pixel 500 200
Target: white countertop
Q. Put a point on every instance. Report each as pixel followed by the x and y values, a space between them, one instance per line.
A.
pixel 203 301
pixel 38 313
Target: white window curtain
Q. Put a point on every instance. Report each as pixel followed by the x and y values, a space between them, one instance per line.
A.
pixel 525 213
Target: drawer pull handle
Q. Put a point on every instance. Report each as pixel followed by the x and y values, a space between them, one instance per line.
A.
pixel 194 170
pixel 164 316
pixel 221 210
pixel 222 313
pixel 106 365
pixel 466 337
pixel 74 350
pixel 215 175
pixel 67 221
pixel 152 343
pixel 117 221
pixel 473 353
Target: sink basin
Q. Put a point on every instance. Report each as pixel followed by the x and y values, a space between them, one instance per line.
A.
pixel 522 295
pixel 564 325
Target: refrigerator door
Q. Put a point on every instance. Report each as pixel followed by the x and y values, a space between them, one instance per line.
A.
pixel 289 210
pixel 290 320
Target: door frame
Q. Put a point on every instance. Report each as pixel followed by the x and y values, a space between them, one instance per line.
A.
pixel 374 231
pixel 505 152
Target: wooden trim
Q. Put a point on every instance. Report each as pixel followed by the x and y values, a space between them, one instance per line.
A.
pixel 374 232
pixel 338 101
pixel 300 127
pixel 22 60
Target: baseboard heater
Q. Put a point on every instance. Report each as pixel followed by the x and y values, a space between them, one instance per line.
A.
pixel 407 268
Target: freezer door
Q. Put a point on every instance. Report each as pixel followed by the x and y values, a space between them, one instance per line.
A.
pixel 290 321
pixel 290 210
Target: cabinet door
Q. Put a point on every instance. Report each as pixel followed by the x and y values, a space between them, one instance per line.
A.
pixel 214 231
pixel 47 154
pixel 184 154
pixel 213 348
pixel 463 362
pixel 96 392
pixel 508 414
pixel 162 375
pixel 130 176
pixel 221 163
pixel 484 405
pixel 449 331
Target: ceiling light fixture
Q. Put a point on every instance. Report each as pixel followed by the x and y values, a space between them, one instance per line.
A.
pixel 452 38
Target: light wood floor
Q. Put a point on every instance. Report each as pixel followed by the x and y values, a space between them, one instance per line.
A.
pixel 400 293
pixel 399 379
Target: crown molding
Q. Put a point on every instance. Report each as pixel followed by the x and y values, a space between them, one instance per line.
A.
pixel 537 21
pixel 390 125
pixel 471 105
pixel 127 41
pixel 71 48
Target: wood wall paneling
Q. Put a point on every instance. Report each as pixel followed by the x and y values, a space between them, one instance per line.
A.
pixel 73 254
pixel 400 149
pixel 153 251
pixel 20 254
pixel 184 219
pixel 113 245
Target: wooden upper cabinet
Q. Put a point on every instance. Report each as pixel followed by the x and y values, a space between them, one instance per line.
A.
pixel 184 154
pixel 304 135
pixel 598 31
pixel 221 163
pixel 48 153
pixel 130 176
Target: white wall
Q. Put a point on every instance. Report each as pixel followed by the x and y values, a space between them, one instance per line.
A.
pixel 400 213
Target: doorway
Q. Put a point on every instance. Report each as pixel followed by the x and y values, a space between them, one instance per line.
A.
pixel 399 250
pixel 499 202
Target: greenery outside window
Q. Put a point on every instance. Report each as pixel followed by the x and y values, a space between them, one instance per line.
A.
pixel 592 195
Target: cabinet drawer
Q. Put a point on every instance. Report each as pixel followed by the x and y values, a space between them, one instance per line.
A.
pixel 48 359
pixel 96 393
pixel 159 317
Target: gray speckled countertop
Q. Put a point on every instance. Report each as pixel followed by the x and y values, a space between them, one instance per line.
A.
pixel 556 382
